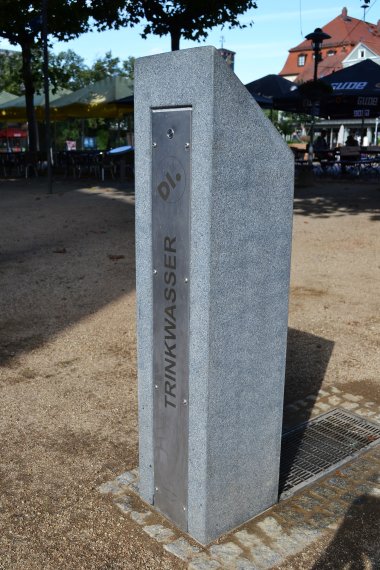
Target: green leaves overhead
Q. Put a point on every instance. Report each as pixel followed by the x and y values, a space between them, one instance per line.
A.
pixel 191 19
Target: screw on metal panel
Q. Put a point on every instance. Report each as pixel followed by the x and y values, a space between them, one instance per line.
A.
pixel 154 145
pixel 154 271
pixel 156 488
pixel 156 386
pixel 170 133
pixel 184 508
pixel 186 280
pixel 184 402
pixel 187 146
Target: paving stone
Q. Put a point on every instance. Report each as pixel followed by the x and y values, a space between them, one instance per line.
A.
pixel 271 527
pixel 369 404
pixel 366 465
pixel 349 405
pixel 111 487
pixel 264 557
pixel 140 518
pixel 305 535
pixel 285 545
pixel 323 394
pixel 339 508
pixel 325 492
pixel 334 400
pixel 335 390
pixel 352 470
pixel 322 407
pixel 352 397
pixel 243 564
pixel 365 412
pixel 292 408
pixel 311 398
pixel 322 520
pixel 365 488
pixel 374 478
pixel 334 526
pixel 375 492
pixel 135 487
pixel 226 552
pixel 125 504
pixel 375 452
pixel 126 478
pixel 291 515
pixel 302 403
pixel 338 482
pixel 159 532
pixel 203 562
pixel 247 539
pixel 182 549
pixel 308 503
pixel 350 496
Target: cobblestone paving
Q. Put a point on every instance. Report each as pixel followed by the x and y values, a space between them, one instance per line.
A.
pixel 286 529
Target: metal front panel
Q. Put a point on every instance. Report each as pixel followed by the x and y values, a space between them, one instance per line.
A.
pixel 171 150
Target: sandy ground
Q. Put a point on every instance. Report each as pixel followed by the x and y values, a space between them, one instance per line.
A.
pixel 68 362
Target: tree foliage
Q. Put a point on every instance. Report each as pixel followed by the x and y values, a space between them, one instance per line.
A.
pixel 10 73
pixel 20 24
pixel 190 19
pixel 67 70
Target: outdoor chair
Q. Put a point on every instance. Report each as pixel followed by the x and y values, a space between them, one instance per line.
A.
pixel 31 164
pixel 350 157
pixel 107 164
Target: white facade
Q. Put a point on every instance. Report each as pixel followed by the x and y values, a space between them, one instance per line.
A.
pixel 360 53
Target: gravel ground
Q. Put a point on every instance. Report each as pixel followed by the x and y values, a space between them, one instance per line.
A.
pixel 68 362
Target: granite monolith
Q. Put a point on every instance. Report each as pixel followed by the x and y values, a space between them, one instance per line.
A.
pixel 214 196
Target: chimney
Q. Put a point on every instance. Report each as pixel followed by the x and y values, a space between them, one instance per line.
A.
pixel 344 14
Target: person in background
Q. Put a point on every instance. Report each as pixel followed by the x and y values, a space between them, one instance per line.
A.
pixel 351 140
pixel 320 142
pixel 321 148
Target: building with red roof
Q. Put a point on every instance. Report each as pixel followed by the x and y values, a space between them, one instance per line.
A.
pixel 347 35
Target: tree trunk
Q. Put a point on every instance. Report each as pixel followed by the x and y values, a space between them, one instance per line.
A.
pixel 175 37
pixel 29 95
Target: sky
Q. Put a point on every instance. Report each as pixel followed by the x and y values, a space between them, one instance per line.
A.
pixel 260 49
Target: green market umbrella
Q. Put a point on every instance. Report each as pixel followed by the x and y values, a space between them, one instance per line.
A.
pixel 5 97
pixel 15 109
pixel 101 99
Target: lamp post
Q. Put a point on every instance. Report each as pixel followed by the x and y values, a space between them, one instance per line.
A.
pixel 316 39
pixel 365 7
pixel 46 92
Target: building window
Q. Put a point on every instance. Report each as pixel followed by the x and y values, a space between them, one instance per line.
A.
pixel 361 53
pixel 301 60
pixel 331 52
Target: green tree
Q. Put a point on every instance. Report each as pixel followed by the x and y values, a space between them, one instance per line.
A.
pixel 10 73
pixel 20 24
pixel 67 70
pixel 129 67
pixel 190 19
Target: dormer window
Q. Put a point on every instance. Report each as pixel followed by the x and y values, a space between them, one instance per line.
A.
pixel 361 53
pixel 301 60
pixel 331 52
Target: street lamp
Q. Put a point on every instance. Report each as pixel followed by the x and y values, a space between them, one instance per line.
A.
pixel 44 14
pixel 365 7
pixel 316 39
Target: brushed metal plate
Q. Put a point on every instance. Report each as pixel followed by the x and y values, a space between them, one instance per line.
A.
pixel 171 161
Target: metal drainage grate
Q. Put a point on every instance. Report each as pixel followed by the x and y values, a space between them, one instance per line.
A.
pixel 315 448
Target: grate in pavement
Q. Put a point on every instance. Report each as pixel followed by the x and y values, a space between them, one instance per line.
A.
pixel 319 446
